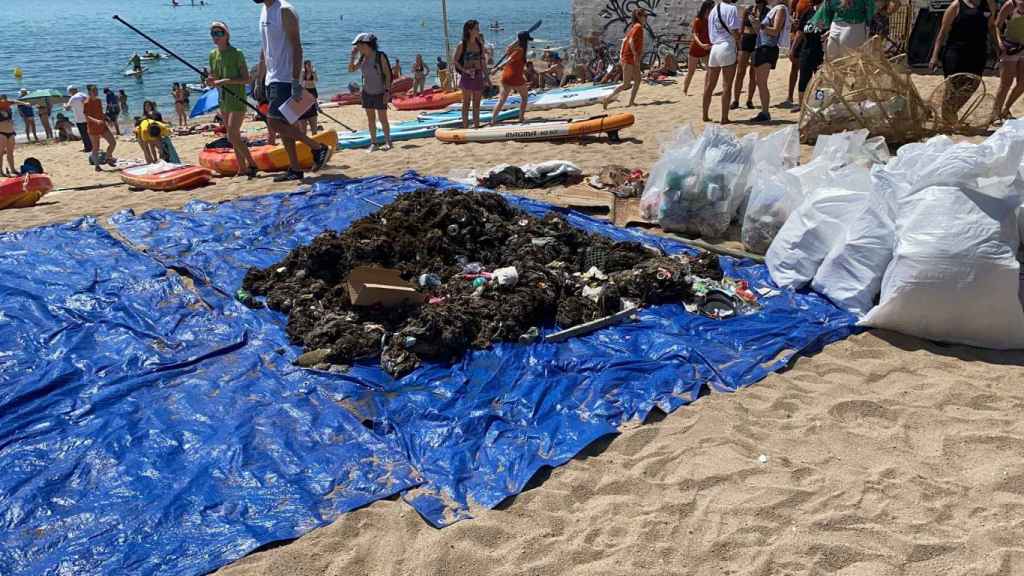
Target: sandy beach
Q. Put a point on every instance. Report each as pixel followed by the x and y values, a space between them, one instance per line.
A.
pixel 883 455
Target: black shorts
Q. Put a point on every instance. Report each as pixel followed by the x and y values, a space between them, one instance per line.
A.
pixel 766 55
pixel 748 43
pixel 374 101
pixel 278 94
pixel 113 113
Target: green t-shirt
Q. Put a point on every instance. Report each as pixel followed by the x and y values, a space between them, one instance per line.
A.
pixel 858 12
pixel 229 64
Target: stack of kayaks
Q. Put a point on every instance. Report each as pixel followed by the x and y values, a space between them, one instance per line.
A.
pixel 422 127
pixel 540 130
pixel 433 99
pixel 268 158
pixel 165 176
pixel 23 191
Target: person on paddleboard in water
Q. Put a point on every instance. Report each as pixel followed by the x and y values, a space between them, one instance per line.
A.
pixel 281 65
pixel 136 62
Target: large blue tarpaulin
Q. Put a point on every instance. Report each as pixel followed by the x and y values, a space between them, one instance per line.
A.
pixel 478 430
pixel 146 429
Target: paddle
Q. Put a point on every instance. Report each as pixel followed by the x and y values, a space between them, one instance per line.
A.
pixel 504 59
pixel 200 72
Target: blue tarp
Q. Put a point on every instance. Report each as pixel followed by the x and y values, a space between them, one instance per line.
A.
pixel 145 429
pixel 478 430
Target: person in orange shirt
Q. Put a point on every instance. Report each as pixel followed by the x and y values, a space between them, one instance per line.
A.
pixel 97 126
pixel 632 53
pixel 513 77
pixel 700 44
pixel 797 8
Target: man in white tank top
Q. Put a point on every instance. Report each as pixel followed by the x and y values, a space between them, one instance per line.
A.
pixel 281 65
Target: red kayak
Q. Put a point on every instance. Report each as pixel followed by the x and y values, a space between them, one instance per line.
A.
pixel 23 191
pixel 399 86
pixel 433 99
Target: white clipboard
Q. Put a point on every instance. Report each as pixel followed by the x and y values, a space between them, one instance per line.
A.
pixel 293 109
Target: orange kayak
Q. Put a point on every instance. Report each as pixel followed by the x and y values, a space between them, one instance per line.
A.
pixel 540 130
pixel 429 100
pixel 268 158
pixel 165 176
pixel 23 191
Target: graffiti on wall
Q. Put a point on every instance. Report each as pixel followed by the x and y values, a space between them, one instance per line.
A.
pixel 665 36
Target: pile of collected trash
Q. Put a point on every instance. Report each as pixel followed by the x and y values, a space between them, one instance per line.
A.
pixel 701 184
pixel 619 181
pixel 525 177
pixel 927 244
pixel 437 273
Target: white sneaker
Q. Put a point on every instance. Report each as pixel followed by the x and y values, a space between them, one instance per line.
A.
pixel 385 148
pixel 373 148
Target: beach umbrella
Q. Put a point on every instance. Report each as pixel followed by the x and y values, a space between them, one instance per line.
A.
pixel 50 93
pixel 210 101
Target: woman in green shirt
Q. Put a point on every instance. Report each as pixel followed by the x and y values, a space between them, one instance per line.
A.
pixel 229 73
pixel 847 24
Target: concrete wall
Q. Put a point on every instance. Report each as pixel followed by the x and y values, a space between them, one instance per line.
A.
pixel 610 18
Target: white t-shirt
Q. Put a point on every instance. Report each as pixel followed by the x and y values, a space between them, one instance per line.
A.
pixel 77 105
pixel 723 13
pixel 280 58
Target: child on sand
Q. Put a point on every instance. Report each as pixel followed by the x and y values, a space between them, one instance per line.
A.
pixel 513 77
pixel 98 129
pixel 377 79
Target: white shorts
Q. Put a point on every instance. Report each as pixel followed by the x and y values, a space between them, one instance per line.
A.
pixel 722 55
pixel 844 38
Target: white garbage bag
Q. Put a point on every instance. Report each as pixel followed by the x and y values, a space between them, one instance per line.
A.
pixel 674 153
pixel 818 224
pixel 774 195
pixel 851 274
pixel 954 276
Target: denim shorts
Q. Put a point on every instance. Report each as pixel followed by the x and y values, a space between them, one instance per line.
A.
pixel 278 94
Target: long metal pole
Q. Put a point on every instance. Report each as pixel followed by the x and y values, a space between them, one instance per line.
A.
pixel 447 42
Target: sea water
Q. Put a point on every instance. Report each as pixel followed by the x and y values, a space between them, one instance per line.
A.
pixel 60 42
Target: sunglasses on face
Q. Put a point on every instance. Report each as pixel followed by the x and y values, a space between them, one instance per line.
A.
pixel 218 33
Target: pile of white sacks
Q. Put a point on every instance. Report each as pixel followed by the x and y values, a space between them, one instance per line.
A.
pixel 926 244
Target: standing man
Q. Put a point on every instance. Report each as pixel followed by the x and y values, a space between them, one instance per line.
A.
pixel 281 65
pixel 76 103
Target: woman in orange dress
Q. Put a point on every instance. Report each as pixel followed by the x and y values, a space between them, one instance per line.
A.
pixel 700 44
pixel 630 57
pixel 513 77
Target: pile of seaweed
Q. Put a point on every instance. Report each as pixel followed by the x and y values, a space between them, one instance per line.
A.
pixel 444 241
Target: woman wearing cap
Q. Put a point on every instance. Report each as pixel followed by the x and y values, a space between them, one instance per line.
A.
pixel 630 56
pixel 513 77
pixel 723 31
pixel 230 74
pixel 469 63
pixel 376 70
